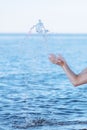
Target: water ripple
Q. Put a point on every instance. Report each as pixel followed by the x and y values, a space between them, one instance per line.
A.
pixel 43 122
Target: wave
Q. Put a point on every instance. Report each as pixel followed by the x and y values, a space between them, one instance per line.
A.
pixel 43 122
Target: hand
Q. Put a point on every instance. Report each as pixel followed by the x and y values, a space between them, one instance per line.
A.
pixel 57 60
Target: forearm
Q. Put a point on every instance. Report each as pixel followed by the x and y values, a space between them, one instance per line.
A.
pixel 76 79
pixel 71 75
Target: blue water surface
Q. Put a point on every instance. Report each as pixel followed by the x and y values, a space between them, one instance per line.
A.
pixel 36 94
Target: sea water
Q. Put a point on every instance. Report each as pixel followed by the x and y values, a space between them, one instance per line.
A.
pixel 36 94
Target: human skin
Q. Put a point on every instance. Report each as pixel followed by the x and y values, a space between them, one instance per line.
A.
pixel 76 79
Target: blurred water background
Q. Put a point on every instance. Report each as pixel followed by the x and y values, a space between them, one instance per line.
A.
pixel 36 94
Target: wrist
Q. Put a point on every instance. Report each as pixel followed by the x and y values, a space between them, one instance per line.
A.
pixel 64 65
